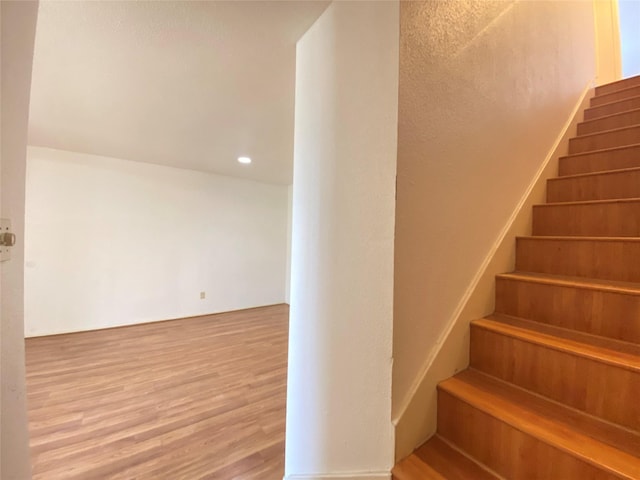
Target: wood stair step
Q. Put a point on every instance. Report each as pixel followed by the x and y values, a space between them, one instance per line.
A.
pixel 599 307
pixel 611 108
pixel 451 463
pixel 569 367
pixel 413 468
pixel 520 435
pixel 606 258
pixel 617 158
pixel 618 85
pixel 609 185
pixel 608 218
pixel 610 122
pixel 621 94
pixel 610 138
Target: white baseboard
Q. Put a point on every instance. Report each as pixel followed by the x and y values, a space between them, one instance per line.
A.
pixel 341 476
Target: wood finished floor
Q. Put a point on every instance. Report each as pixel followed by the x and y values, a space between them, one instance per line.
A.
pixel 198 398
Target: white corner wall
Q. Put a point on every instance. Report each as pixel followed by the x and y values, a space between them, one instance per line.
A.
pixel 113 242
pixel 18 25
pixel 339 385
pixel 289 226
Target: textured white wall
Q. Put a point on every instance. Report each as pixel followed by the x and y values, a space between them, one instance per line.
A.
pixel 486 88
pixel 113 242
pixel 18 31
pixel 339 386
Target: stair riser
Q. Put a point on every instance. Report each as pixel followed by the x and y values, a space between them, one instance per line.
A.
pixel 609 123
pixel 605 186
pixel 604 259
pixel 508 451
pixel 616 138
pixel 615 96
pixel 598 312
pixel 570 379
pixel 620 85
pixel 600 161
pixel 617 107
pixel 620 219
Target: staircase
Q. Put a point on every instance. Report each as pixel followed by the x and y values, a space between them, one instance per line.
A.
pixel 553 386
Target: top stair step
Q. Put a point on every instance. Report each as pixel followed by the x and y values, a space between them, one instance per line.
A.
pixel 610 122
pixel 616 158
pixel 628 92
pixel 618 85
pixel 619 106
pixel 617 137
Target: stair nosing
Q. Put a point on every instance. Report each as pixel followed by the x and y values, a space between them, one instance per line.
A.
pixel 611 115
pixel 575 282
pixel 578 238
pixel 413 457
pixel 547 437
pixel 605 132
pixel 480 465
pixel 588 109
pixel 601 150
pixel 567 330
pixel 615 82
pixel 573 347
pixel 616 91
pixel 595 174
pixel 588 202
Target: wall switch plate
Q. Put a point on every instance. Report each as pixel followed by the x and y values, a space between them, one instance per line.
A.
pixel 202 295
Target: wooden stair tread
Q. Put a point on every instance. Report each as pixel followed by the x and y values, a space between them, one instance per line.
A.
pixel 596 174
pixel 617 85
pixel 611 115
pixel 556 338
pixel 613 102
pixel 589 202
pixel 413 468
pixel 606 132
pixel 629 288
pixel 620 90
pixel 450 463
pixel 602 150
pixel 623 93
pixel 599 111
pixel 575 336
pixel 581 239
pixel 593 441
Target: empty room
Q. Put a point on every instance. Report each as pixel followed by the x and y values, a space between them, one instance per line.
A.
pixel 158 193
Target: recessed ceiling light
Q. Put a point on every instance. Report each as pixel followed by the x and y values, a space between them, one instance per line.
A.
pixel 244 160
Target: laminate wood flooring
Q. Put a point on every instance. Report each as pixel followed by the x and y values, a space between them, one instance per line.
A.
pixel 196 398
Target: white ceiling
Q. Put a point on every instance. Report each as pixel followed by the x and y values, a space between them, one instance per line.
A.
pixel 186 84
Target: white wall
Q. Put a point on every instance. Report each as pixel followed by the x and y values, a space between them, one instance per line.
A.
pixel 339 385
pixel 113 242
pixel 289 227
pixel 607 41
pixel 486 89
pixel 18 32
